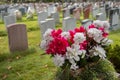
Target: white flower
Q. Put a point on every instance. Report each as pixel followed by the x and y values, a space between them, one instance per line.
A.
pixel 98 23
pixel 47 35
pixel 43 44
pixel 79 37
pixel 95 34
pixel 74 52
pixel 106 41
pixel 58 60
pixel 99 51
pixel 106 25
pixel 66 35
pixel 74 66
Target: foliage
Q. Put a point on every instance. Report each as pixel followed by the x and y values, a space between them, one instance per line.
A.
pixel 97 71
pixel 114 56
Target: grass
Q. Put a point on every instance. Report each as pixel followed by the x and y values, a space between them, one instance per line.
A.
pixel 30 64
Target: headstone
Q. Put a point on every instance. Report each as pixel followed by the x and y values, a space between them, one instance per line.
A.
pixel 69 23
pixel 44 25
pixel 10 19
pixel 100 16
pixel 42 16
pixel 86 12
pixel 114 18
pixel 95 11
pixel 17 36
pixel 102 10
pixel 66 13
pixel 18 14
pixel 51 23
pixel 76 13
pixel 86 23
pixel 55 16
pixel 51 8
pixel 3 14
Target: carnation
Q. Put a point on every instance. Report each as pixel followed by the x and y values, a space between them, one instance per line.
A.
pixel 58 60
pixel 79 38
pixel 95 34
pixel 66 35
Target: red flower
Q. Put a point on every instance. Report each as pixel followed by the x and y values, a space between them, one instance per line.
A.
pixel 104 34
pixel 81 29
pixel 56 33
pixel 58 46
pixel 72 33
pixel 92 26
pixel 83 45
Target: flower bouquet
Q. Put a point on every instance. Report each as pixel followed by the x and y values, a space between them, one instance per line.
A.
pixel 77 49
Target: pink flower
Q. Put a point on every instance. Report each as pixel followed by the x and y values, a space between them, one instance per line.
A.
pixel 81 29
pixel 57 46
pixel 104 34
pixel 92 26
pixel 72 33
pixel 83 46
pixel 56 33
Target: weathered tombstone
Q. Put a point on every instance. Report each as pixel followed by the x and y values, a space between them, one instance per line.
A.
pixel 42 16
pixel 86 23
pixel 100 16
pixel 17 36
pixel 55 16
pixel 18 14
pixel 10 19
pixel 69 23
pixel 76 13
pixel 114 18
pixel 66 13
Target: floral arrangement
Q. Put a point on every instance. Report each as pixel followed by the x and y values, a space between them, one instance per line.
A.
pixel 77 46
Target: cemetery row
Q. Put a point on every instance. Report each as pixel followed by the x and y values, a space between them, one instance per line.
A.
pixel 48 17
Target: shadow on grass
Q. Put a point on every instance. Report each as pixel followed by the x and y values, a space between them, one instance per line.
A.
pixel 17 54
pixel 3 33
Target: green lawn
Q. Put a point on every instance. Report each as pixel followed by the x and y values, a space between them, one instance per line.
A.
pixel 30 64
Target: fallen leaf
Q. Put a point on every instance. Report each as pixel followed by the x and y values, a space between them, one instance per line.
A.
pixel 4 76
pixel 9 67
pixel 46 66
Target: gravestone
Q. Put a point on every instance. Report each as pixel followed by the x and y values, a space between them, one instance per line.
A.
pixel 66 13
pixel 86 23
pixel 22 10
pixel 100 16
pixel 50 23
pixel 42 16
pixel 44 25
pixel 76 13
pixel 114 18
pixel 10 19
pixel 95 11
pixel 69 23
pixel 102 10
pixel 18 15
pixel 51 8
pixel 55 16
pixel 3 14
pixel 86 12
pixel 17 36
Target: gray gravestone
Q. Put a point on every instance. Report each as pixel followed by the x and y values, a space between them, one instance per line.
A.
pixel 95 11
pixel 114 18
pixel 102 10
pixel 44 25
pixel 86 23
pixel 55 16
pixel 100 16
pixel 42 16
pixel 69 23
pixel 10 19
pixel 17 36
pixel 3 14
pixel 66 12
